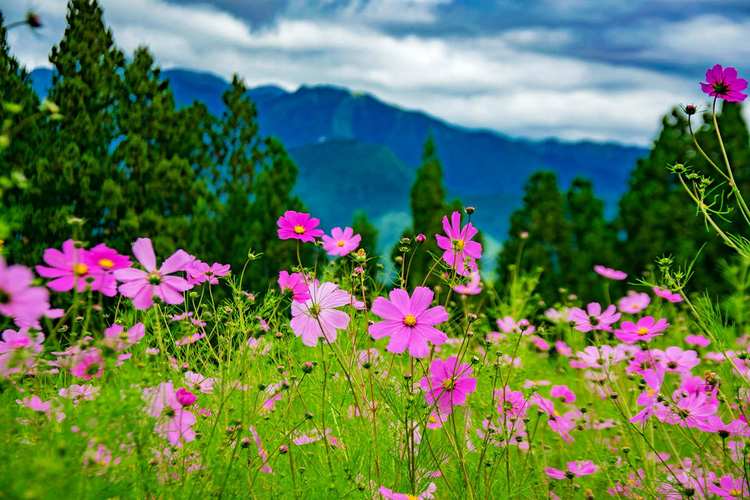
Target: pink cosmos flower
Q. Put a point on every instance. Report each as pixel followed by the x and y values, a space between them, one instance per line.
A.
pixel 88 364
pixel 676 360
pixel 667 295
pixel 649 399
pixel 199 272
pixel 119 339
pixel 141 286
pixel 448 383
pixel 507 324
pixel 103 262
pixel 511 403
pixel 341 242
pixel 18 299
pixel 68 269
pixel 697 340
pixel 609 273
pixel 295 283
pixel 563 392
pixel 298 226
pixel 185 397
pixel 427 494
pixel 563 349
pixel 174 422
pixel 644 330
pixel 409 321
pixel 593 318
pixel 77 393
pixel 730 487
pixel 18 351
pixel 724 84
pixel 319 315
pixel 262 453
pixel 574 469
pixel 199 382
pixel 634 302
pixel 559 424
pixel 35 403
pixel 472 287
pixel 460 252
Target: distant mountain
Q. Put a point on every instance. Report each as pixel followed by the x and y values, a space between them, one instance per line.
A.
pixel 355 151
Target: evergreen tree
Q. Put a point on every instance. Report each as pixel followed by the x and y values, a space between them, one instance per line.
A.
pixel 75 175
pixel 592 240
pixel 369 233
pixel 540 234
pixel 427 208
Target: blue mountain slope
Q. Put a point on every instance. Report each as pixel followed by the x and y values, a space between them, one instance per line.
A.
pixel 335 134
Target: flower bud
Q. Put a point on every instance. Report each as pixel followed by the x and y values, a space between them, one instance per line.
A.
pixel 185 397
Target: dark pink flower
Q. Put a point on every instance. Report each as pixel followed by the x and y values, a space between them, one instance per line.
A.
pixel 409 321
pixel 298 226
pixel 724 84
pixel 730 487
pixel 185 397
pixel 294 282
pixel 511 403
pixel 574 469
pixel 644 330
pixel 427 494
pixel 341 242
pixel 142 286
pixel 68 269
pixel 174 422
pixel 460 252
pixel 563 392
pixel 448 383
pixel 593 318
pixel 88 364
pixel 103 262
pixel 609 273
pixel 667 295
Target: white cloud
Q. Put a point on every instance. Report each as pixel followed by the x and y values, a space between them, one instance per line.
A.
pixel 497 82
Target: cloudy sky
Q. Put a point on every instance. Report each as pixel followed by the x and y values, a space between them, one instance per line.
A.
pixel 597 69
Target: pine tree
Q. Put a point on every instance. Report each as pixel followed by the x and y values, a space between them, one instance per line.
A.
pixel 273 196
pixel 592 240
pixel 369 233
pixel 74 175
pixel 540 234
pixel 427 208
pixel 237 149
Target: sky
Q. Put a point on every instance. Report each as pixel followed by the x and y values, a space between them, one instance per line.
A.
pixel 574 69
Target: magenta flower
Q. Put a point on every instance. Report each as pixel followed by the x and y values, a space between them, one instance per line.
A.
pixel 174 422
pixel 319 315
pixel 574 469
pixel 409 321
pixel 70 270
pixel 634 302
pixel 199 272
pixel 18 350
pixel 298 226
pixel 724 84
pixel 341 242
pixel 563 392
pixel 667 295
pixel 141 286
pixel 103 262
pixel 593 318
pixel 511 403
pixel 730 487
pixel 295 283
pixel 609 273
pixel 697 340
pixel 427 494
pixel 185 397
pixel 88 364
pixel 644 330
pixel 460 252
pixel 448 383
pixel 18 299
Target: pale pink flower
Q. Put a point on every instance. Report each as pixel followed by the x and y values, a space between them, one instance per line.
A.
pixel 609 273
pixel 634 302
pixel 18 351
pixel 573 469
pixel 593 318
pixel 18 298
pixel 319 315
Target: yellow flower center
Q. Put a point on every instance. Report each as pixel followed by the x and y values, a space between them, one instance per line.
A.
pixel 642 331
pixel 449 384
pixel 106 263
pixel 458 244
pixel 410 320
pixel 340 243
pixel 412 497
pixel 299 229
pixel 735 492
pixel 80 269
pixel 432 419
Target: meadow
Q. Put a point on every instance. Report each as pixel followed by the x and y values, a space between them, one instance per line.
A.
pixel 132 368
